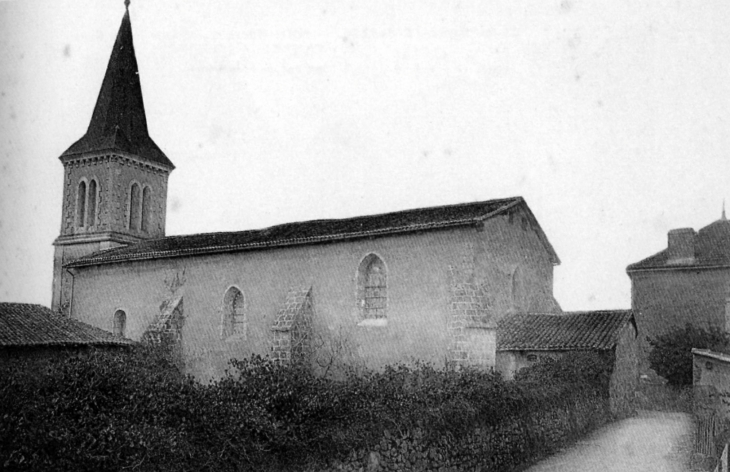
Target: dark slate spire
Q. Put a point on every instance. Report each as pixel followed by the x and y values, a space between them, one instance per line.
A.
pixel 119 121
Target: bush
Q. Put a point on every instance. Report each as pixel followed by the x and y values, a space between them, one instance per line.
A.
pixel 671 354
pixel 111 410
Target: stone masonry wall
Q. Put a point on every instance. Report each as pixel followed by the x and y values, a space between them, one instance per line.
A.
pixel 114 176
pixel 292 329
pixel 471 325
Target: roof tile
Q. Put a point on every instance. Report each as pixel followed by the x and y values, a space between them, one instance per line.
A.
pixel 556 332
pixel 26 325
pixel 311 232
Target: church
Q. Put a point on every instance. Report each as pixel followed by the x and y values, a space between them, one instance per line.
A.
pixel 427 284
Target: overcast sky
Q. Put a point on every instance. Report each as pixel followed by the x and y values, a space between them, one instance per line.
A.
pixel 609 117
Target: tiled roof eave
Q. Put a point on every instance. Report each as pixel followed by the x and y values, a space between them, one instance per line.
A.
pixel 555 348
pixel 268 244
pixel 631 269
pixel 67 344
pixel 112 151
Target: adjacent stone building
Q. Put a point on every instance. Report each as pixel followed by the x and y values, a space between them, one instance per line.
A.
pixel 425 284
pixel 687 282
pixel 525 339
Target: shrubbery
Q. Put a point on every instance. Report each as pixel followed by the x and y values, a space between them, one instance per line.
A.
pixel 116 410
pixel 671 354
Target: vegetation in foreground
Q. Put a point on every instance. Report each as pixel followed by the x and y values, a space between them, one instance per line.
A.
pixel 132 410
pixel 671 353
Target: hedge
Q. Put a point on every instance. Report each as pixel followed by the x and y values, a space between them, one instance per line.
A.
pixel 132 410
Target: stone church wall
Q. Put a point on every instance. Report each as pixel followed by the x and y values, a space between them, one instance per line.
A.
pixel 418 287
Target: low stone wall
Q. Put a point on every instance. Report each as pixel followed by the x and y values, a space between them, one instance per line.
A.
pixel 500 448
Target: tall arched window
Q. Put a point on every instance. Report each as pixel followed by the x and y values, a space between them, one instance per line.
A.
pixel 517 289
pixel 134 210
pixel 146 195
pixel 91 217
pixel 81 205
pixel 120 323
pixel 234 317
pixel 372 287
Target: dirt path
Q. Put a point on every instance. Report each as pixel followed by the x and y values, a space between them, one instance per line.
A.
pixel 652 441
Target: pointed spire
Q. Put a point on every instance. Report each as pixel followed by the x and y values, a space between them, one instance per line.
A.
pixel 119 121
pixel 723 210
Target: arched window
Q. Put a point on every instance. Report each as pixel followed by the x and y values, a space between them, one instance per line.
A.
pixel 120 323
pixel 372 287
pixel 91 218
pixel 81 205
pixel 234 317
pixel 134 210
pixel 146 194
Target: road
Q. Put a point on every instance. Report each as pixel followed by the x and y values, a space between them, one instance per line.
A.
pixel 652 441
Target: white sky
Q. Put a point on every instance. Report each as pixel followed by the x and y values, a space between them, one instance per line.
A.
pixel 609 117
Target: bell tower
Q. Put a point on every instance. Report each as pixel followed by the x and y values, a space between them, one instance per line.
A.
pixel 115 176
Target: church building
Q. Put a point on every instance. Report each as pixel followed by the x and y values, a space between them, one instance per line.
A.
pixel 426 284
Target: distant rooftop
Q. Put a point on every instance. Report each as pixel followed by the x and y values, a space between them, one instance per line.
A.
pixel 28 325
pixel 709 248
pixel 317 231
pixel 570 331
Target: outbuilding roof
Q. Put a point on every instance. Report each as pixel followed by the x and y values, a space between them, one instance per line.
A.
pixel 317 231
pixel 570 331
pixel 28 325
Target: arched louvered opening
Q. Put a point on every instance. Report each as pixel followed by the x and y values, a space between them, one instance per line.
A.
pixel 146 195
pixel 233 320
pixel 134 207
pixel 81 205
pixel 91 216
pixel 372 288
pixel 120 323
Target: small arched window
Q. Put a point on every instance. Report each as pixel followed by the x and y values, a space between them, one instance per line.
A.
pixel 234 317
pixel 134 206
pixel 372 288
pixel 120 323
pixel 81 205
pixel 91 217
pixel 146 195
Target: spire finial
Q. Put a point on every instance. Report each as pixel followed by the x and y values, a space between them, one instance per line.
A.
pixel 723 210
pixel 126 4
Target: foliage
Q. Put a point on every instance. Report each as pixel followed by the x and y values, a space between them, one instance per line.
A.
pixel 112 410
pixel 671 354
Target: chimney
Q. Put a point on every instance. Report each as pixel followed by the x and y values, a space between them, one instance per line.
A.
pixel 681 248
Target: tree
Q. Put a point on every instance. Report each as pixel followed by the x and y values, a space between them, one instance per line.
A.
pixel 671 354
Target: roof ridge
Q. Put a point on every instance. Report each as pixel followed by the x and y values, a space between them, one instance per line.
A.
pixel 314 232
